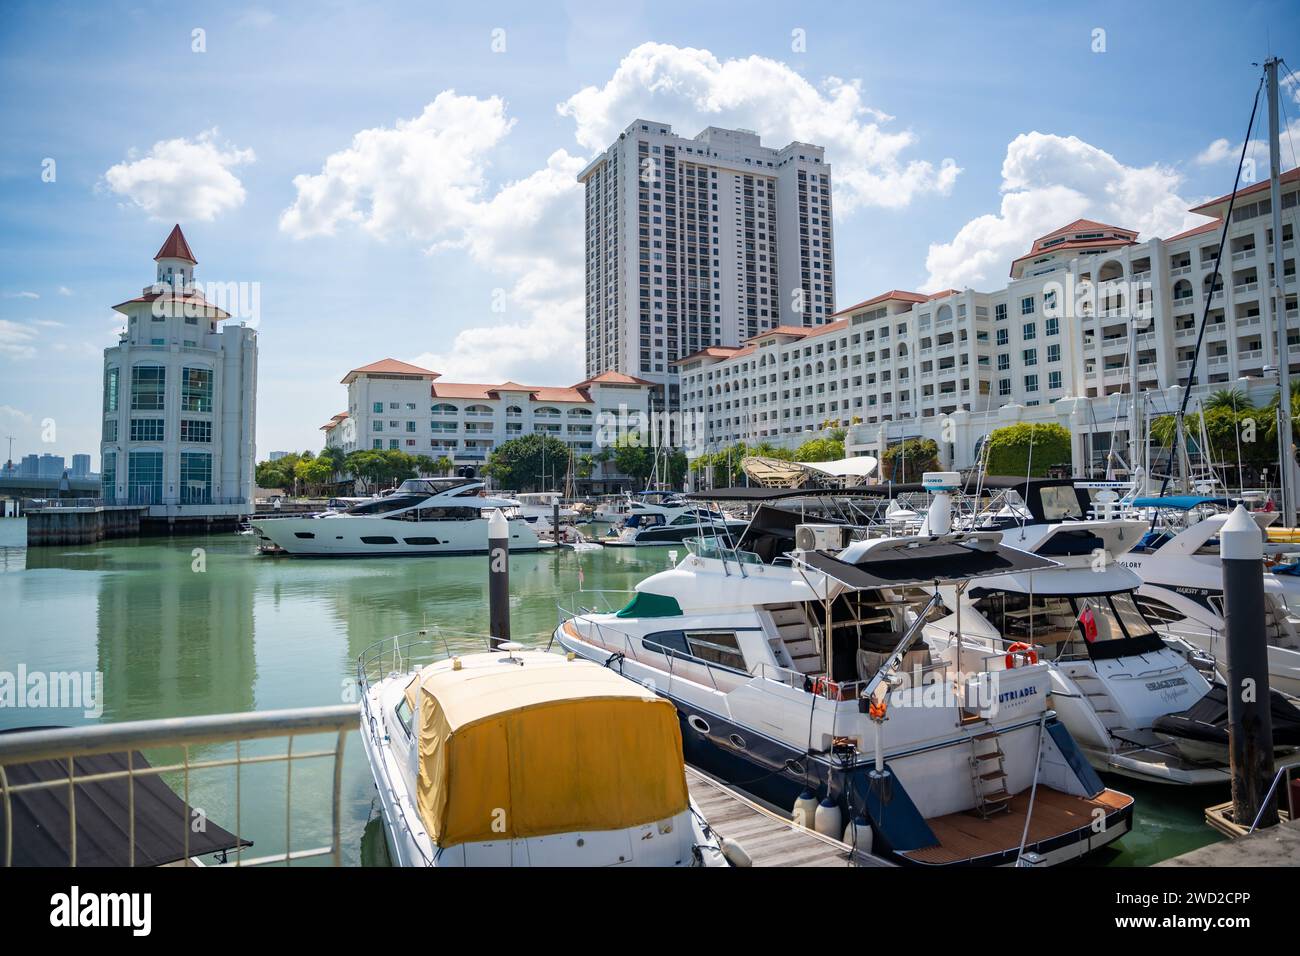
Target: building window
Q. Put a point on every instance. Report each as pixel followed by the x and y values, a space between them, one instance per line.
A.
pixel 147 429
pixel 148 385
pixel 194 430
pixel 110 430
pixel 1004 362
pixel 108 477
pixel 1030 356
pixel 1004 386
pixel 196 477
pixel 393 443
pixel 1054 352
pixel 196 390
pixel 410 426
pixel 1053 379
pixel 110 389
pixel 377 444
pixel 1031 383
pixel 1027 305
pixel 378 425
pixel 1052 327
pixel 1003 337
pixel 1029 332
pixel 379 408
pixel 144 477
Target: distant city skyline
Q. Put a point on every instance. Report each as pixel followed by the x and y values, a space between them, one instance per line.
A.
pixel 395 183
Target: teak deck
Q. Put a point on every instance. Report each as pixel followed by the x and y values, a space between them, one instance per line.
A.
pixel 965 836
pixel 769 839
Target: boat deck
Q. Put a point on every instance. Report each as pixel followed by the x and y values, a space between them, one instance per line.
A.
pixel 966 836
pixel 768 838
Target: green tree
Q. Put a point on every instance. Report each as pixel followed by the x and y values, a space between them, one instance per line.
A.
pixel 314 473
pixel 367 467
pixel 534 462
pixel 820 449
pixel 909 460
pixel 634 459
pixel 1028 449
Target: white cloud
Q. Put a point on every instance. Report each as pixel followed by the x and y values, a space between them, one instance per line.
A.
pixel 426 179
pixel 1047 182
pixel 1216 152
pixel 64 290
pixel 16 340
pixel 182 178
pixel 22 295
pixel 691 88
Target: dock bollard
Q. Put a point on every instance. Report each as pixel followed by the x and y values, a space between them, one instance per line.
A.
pixel 498 579
pixel 1250 723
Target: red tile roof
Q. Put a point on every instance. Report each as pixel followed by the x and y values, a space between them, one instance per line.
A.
pixel 893 294
pixel 1288 177
pixel 613 378
pixel 176 247
pixel 193 302
pixel 388 366
pixel 1212 226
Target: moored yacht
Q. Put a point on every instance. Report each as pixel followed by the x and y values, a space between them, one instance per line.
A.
pixel 801 677
pixel 523 758
pixel 673 525
pixel 424 516
pixel 1182 584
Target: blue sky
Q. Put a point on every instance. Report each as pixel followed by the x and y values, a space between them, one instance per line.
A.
pixel 398 178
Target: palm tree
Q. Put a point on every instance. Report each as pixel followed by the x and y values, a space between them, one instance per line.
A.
pixel 1232 399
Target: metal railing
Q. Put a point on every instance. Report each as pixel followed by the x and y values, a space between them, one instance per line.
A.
pixel 66 744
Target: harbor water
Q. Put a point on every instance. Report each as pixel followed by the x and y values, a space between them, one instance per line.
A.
pixel 203 625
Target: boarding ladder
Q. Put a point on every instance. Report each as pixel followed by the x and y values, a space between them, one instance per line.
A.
pixel 989 773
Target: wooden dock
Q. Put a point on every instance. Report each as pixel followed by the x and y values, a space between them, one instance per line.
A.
pixel 768 838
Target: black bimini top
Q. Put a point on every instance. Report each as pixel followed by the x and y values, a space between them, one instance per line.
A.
pixel 40 817
pixel 947 560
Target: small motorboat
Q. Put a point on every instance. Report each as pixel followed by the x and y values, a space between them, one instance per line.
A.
pixel 1201 731
pixel 518 757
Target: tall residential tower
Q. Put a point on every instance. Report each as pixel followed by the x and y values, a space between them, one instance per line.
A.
pixel 701 242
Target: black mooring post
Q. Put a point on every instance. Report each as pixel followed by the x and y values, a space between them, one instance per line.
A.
pixel 498 579
pixel 1250 724
pixel 555 521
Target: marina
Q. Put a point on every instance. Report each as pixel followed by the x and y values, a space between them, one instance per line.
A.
pixel 247 633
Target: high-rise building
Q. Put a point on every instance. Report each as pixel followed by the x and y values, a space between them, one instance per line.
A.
pixel 692 243
pixel 80 466
pixel 180 399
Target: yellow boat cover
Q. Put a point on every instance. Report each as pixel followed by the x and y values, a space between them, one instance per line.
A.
pixel 510 751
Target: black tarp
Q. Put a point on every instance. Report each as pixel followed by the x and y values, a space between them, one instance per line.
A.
pixel 947 561
pixel 40 817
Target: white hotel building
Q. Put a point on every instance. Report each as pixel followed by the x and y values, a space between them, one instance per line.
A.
pixel 179 400
pixel 394 405
pixel 903 364
pixel 701 242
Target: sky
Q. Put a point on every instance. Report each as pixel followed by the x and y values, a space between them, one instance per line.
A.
pixel 398 179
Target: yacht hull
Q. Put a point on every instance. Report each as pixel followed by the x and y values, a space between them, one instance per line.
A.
pixel 343 536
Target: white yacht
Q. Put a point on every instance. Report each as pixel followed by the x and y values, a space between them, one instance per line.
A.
pixel 538 508
pixel 521 758
pixel 798 677
pixel 1112 675
pixel 424 516
pixel 1182 585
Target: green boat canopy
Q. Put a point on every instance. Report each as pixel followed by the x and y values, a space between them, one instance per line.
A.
pixel 647 604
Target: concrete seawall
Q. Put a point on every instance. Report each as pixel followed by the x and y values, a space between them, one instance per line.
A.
pixel 54 526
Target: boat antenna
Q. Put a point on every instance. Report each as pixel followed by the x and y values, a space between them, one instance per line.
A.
pixel 1179 438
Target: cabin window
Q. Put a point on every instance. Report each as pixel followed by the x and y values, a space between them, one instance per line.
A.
pixel 662 642
pixel 719 647
pixel 403 714
pixel 1159 611
pixel 304 534
pixel 378 539
pixel 422 541
pixel 1060 502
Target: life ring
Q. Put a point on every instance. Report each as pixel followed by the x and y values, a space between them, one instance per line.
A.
pixel 828 689
pixel 1020 647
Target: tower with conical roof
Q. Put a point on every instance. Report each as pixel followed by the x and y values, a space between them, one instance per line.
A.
pixel 179 400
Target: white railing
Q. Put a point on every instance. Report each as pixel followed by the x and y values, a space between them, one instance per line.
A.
pixel 66 744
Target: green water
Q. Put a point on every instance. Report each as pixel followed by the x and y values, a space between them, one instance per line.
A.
pixel 257 633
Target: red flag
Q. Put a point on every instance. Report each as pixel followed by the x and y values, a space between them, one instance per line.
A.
pixel 1089 625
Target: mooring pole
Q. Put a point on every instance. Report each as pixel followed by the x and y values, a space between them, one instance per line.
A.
pixel 555 520
pixel 1250 725
pixel 498 579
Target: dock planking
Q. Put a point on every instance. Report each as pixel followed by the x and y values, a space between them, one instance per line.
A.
pixel 768 838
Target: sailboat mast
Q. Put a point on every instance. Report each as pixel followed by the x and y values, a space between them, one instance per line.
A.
pixel 1286 440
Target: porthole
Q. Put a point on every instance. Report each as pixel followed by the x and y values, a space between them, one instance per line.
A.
pixel 698 723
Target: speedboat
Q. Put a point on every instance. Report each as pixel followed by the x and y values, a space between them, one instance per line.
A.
pixel 802 676
pixel 1182 584
pixel 516 757
pixel 663 526
pixel 424 516
pixel 1201 731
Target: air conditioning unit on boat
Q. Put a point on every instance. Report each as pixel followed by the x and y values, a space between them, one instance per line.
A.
pixel 821 537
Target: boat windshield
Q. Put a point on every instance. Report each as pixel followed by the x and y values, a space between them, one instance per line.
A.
pixel 386 505
pixel 1071 626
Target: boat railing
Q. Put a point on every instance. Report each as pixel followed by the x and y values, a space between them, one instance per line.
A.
pixel 998 646
pixel 403 653
pixel 222 741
